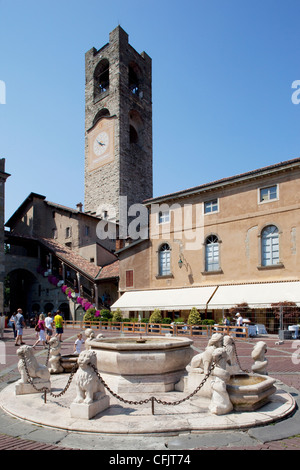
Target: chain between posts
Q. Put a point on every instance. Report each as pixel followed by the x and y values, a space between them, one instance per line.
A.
pixel 152 399
pixel 238 360
pixel 46 390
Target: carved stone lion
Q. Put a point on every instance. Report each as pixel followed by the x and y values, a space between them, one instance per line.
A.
pixel 36 371
pixel 88 386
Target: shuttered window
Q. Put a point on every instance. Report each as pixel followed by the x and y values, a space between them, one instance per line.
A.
pixel 129 278
pixel 164 260
pixel 212 253
pixel 270 246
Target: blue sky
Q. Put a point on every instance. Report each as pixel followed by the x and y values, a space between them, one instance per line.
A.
pixel 222 77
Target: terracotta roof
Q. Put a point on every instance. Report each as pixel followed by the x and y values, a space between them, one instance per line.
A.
pixel 71 257
pixel 75 260
pixel 231 179
pixel 109 271
pixel 80 263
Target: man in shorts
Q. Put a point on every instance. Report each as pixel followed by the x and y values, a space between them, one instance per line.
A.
pixel 58 321
pixel 49 327
pixel 20 324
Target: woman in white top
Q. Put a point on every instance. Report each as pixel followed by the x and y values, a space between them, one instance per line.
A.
pixel 49 327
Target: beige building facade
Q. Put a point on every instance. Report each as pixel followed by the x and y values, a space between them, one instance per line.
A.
pixel 220 237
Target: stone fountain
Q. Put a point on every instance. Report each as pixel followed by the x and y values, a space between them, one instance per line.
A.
pixel 227 384
pixel 141 368
pixel 143 364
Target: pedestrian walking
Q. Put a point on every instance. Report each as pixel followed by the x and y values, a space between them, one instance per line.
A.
pixel 49 327
pixel 40 327
pixel 58 321
pixel 20 325
pixel 78 344
pixel 12 322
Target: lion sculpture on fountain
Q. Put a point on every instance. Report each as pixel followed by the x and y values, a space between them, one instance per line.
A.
pixel 36 371
pixel 88 385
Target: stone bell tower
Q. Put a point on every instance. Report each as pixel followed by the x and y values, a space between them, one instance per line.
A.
pixel 118 126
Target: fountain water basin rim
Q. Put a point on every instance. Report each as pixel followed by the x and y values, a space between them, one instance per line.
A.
pixel 137 343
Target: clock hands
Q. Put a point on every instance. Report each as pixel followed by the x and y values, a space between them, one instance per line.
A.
pixel 100 143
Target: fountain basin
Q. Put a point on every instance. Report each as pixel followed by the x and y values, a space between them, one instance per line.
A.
pixel 128 365
pixel 68 361
pixel 249 392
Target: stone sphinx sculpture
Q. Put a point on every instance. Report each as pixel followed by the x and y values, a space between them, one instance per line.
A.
pixel 232 363
pixel 258 355
pixel 220 352
pixel 90 392
pixel 90 336
pixel 220 402
pixel 39 376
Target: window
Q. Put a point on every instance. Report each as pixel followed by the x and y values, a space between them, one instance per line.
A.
pixel 135 127
pixel 164 260
pixel 270 246
pixel 134 73
pixel 133 135
pixel 102 113
pixel 86 230
pixel 68 232
pixel 164 217
pixel 212 253
pixel 129 278
pixel 101 77
pixel 268 194
pixel 54 233
pixel 211 206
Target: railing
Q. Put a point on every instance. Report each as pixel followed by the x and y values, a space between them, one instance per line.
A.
pixel 159 328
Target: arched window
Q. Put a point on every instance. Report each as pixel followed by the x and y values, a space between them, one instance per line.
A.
pixel 164 260
pixel 270 246
pixel 101 77
pixel 102 113
pixel 212 262
pixel 135 127
pixel 133 78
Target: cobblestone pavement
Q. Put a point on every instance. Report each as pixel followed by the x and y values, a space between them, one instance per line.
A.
pixel 283 364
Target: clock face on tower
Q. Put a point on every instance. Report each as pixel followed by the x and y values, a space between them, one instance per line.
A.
pixel 101 143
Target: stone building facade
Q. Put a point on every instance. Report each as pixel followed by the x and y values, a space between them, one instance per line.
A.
pixel 218 245
pixel 118 126
pixel 47 240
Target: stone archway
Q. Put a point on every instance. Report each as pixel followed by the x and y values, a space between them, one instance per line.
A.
pixel 20 283
pixel 65 310
pixel 48 307
pixel 79 313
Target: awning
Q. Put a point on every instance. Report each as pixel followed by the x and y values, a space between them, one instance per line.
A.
pixel 260 295
pixel 165 299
